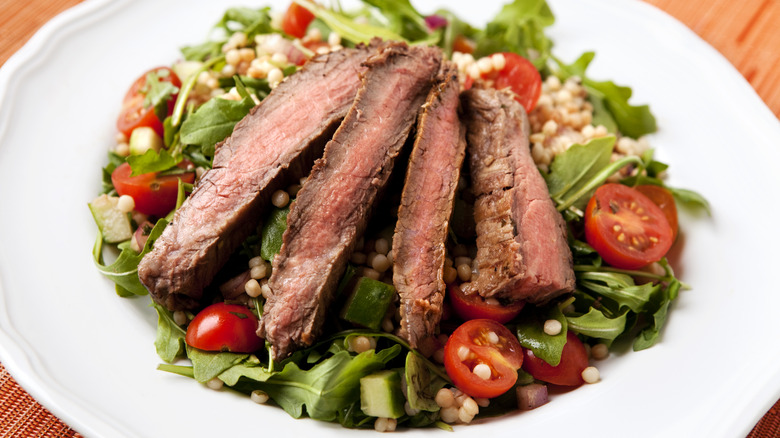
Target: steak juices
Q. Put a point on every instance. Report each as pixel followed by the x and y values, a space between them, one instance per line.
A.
pixel 374 94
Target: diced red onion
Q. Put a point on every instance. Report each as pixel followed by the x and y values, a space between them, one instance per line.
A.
pixel 435 21
pixel 531 396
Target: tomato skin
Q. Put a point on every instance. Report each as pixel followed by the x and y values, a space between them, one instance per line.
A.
pixel 134 114
pixel 626 228
pixel 224 327
pixel 574 359
pixel 153 194
pixel 474 306
pixel 519 75
pixel 296 20
pixel 664 199
pixel 504 358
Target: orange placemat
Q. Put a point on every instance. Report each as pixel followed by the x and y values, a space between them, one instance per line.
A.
pixel 745 32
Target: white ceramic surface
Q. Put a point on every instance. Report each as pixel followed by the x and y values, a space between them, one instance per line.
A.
pixel 89 357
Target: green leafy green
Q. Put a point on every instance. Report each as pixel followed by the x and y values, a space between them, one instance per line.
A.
pixel 170 337
pixel 124 270
pixel 519 27
pixel 575 168
pixel 214 121
pixel 114 161
pixel 209 364
pixel 691 198
pixel 597 325
pixel 620 288
pixel 152 161
pixel 421 384
pixel 157 92
pixel 610 101
pixel 349 29
pixel 272 232
pixel 530 332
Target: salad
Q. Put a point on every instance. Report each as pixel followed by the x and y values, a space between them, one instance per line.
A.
pixel 586 139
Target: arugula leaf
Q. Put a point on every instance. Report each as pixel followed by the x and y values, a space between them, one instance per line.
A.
pixel 152 161
pixel 691 198
pixel 597 325
pixel 455 27
pixel 248 20
pixel 272 232
pixel 157 92
pixel 203 51
pixel 403 18
pixel 214 121
pixel 573 169
pixel 169 341
pixel 114 161
pixel 327 388
pixel 519 27
pixel 349 29
pixel 209 364
pixel 610 101
pixel 530 332
pixel 619 288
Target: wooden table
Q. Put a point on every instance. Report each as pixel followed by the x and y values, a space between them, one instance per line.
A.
pixel 747 33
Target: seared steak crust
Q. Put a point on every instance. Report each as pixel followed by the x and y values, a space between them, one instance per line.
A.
pixel 426 205
pixel 277 141
pixel 522 251
pixel 332 208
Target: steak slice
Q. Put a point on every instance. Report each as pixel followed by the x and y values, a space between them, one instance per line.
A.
pixel 333 207
pixel 522 251
pixel 278 140
pixel 426 205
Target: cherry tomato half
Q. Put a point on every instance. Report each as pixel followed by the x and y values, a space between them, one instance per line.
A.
pixel 574 359
pixel 153 194
pixel 134 114
pixel 626 228
pixel 296 20
pixel 224 327
pixel 664 199
pixel 520 75
pixel 475 307
pixel 487 344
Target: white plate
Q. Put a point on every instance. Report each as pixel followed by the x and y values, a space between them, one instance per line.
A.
pixel 88 355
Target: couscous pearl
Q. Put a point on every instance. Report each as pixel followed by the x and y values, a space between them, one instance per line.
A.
pixel 591 375
pixel 462 260
pixel 463 353
pixel 388 327
pixel 267 292
pixel 552 327
pixel 499 61
pixel 371 273
pixel 259 396
pixel 492 337
pixel 482 371
pixel 380 263
pixel 280 199
pixel 122 149
pixel 247 55
pixel 279 59
pixel 126 204
pixel 275 75
pixel 232 57
pixel 334 39
pixel 259 271
pixel 464 272
pixel 256 261
pixel 464 416
pixel 482 402
pixel 450 274
pixel 438 355
pixel 444 398
pixel 314 34
pixel 599 351
pixel 382 246
pixel 180 317
pixel 449 414
pixel 550 127
pixel 380 425
pixel 214 383
pixel 252 288
pixel 360 344
pixel 357 258
pixel 492 301
pixel 470 406
pixel 485 65
pixel 409 410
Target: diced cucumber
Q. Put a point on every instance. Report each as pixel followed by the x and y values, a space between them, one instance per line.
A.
pixel 381 395
pixel 144 138
pixel 112 222
pixel 184 69
pixel 368 303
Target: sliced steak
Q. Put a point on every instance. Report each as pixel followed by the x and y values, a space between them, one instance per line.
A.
pixel 277 141
pixel 333 207
pixel 522 251
pixel 426 205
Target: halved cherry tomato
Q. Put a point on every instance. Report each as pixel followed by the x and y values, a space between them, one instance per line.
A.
pixel 296 20
pixel 521 77
pixel 154 194
pixel 483 342
pixel 463 45
pixel 134 114
pixel 574 359
pixel 664 199
pixel 626 228
pixel 224 327
pixel 475 307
